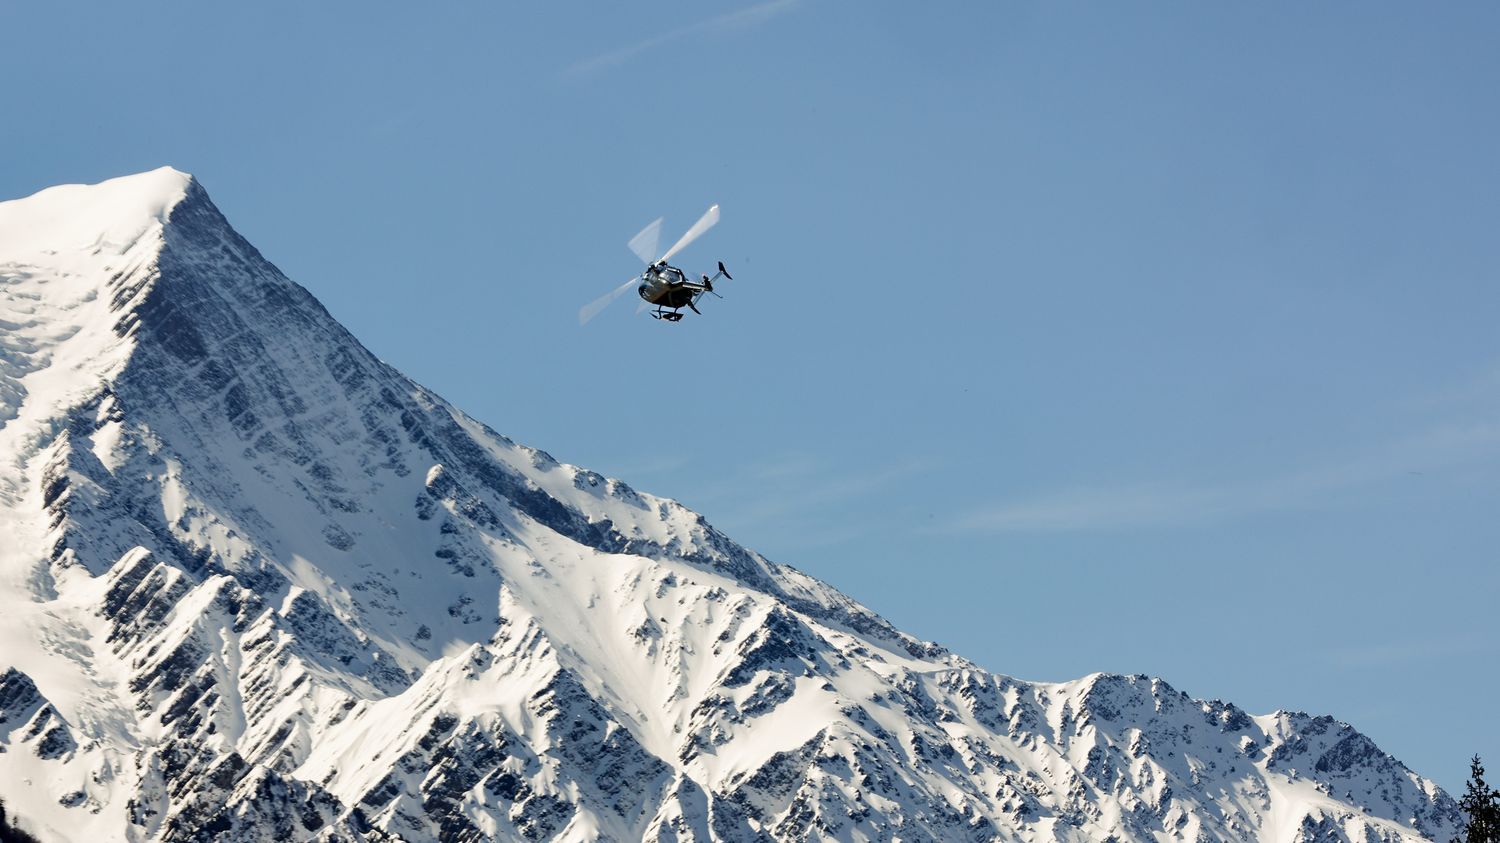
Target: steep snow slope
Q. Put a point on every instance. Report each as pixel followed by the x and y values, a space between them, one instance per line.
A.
pixel 257 585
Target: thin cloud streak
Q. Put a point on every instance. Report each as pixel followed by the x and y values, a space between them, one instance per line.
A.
pixel 1160 505
pixel 799 490
pixel 1391 654
pixel 751 16
pixel 831 489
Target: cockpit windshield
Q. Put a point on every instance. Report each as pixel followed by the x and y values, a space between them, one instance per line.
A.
pixel 669 274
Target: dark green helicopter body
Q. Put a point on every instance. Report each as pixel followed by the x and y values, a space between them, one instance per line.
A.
pixel 668 288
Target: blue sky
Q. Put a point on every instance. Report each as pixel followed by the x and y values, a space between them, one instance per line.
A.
pixel 1141 338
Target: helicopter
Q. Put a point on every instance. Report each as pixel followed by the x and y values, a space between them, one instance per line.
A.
pixel 661 284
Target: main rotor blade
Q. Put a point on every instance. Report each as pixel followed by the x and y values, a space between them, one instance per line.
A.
pixel 703 224
pixel 590 310
pixel 644 244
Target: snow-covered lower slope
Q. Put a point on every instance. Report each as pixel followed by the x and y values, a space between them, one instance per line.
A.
pixel 257 585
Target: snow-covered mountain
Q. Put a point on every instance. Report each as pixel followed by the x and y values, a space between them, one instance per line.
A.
pixel 257 585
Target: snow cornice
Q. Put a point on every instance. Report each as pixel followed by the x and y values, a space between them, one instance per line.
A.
pixel 107 217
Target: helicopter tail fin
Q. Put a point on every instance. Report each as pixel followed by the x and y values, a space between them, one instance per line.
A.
pixel 707 284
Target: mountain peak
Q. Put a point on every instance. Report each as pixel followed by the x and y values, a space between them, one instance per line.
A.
pixel 112 213
pixel 255 584
pixel 78 266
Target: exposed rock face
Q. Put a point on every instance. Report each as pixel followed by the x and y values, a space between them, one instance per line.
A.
pixel 256 585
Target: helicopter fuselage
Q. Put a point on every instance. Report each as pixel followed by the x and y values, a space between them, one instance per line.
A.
pixel 667 287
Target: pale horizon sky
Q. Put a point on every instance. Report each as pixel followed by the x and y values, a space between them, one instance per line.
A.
pixel 1142 339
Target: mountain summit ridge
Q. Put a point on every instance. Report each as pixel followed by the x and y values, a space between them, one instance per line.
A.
pixel 71 215
pixel 262 586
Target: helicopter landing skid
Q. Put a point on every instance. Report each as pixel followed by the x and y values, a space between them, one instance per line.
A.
pixel 670 316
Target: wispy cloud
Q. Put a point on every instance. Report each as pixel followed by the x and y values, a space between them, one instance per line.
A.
pixel 1394 653
pixel 816 490
pixel 1090 508
pixel 741 19
pixel 648 468
pixel 1142 505
pixel 803 494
